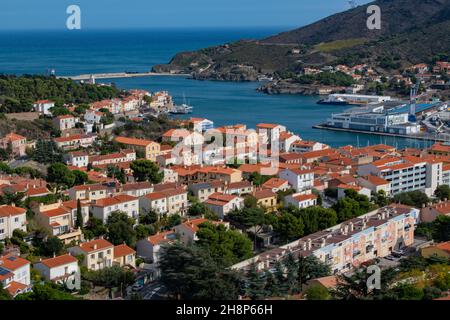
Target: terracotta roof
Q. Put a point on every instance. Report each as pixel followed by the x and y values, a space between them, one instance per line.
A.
pixel 376 180
pixel 263 194
pixel 327 282
pixel 133 141
pixel 59 261
pixel 55 212
pixel 13 263
pixel 445 246
pixel 267 125
pixel 162 237
pixel 95 245
pixel 120 198
pixel 274 183
pixel 14 137
pixel 6 211
pixel 304 197
pixel 15 287
pixel 122 250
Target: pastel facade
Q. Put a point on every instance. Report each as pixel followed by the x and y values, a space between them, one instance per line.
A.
pixel 11 218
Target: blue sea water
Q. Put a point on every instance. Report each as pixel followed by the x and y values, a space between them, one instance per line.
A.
pixel 80 52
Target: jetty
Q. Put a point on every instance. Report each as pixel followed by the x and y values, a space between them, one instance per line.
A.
pixel 116 75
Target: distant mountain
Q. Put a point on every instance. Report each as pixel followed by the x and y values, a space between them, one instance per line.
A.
pixel 411 31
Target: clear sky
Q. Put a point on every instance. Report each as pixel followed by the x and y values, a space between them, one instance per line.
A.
pixel 121 14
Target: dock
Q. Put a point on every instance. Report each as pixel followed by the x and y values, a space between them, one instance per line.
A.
pixel 422 137
pixel 117 75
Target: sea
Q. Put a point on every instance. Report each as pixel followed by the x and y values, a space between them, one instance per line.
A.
pixel 104 51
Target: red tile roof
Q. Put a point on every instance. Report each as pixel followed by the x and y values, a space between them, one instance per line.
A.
pixel 122 250
pixel 59 261
pixel 6 211
pixel 94 245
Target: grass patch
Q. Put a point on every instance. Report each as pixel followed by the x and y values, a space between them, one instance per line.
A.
pixel 339 44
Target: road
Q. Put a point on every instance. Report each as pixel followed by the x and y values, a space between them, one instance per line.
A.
pixel 119 75
pixel 153 291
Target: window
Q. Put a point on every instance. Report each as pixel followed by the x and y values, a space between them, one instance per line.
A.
pixel 2 231
pixel 16 219
pixel 2 220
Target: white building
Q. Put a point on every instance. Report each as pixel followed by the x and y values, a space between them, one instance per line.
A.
pixel 301 201
pixel 11 218
pixel 406 173
pixel 172 201
pixel 15 274
pixel 222 204
pixel 58 269
pixel 300 179
pixel 43 107
pixel 102 208
pixel 93 116
pixel 78 159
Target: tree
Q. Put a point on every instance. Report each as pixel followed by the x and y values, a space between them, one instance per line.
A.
pixel 112 277
pixel 408 292
pixel 117 173
pixel 380 198
pixel 120 229
pixel 53 246
pixel 79 222
pixel 441 228
pixel 47 152
pixel 146 170
pixel 414 198
pixel 250 202
pixel 256 283
pixel 288 227
pixel 173 220
pixel 148 217
pixel 190 273
pixel 45 292
pixel 59 174
pixel 80 177
pixel 225 246
pixel 310 268
pixel 442 192
pixel 199 209
pixel 317 292
pixel 4 294
pixel 94 228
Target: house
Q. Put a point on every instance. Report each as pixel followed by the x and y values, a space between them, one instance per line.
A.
pixel 97 254
pixel 375 184
pixel 11 218
pixel 360 190
pixel 124 256
pixel 440 250
pixel 328 282
pixel 15 274
pixel 65 122
pixel 60 219
pixel 221 204
pixel 306 146
pixel 170 201
pixel 301 200
pixel 58 269
pixel 440 148
pixel 276 184
pixel 187 231
pixel 75 141
pixel 149 148
pixel 267 199
pixel 93 191
pixel 93 116
pixel 78 159
pixel 17 143
pixel 300 179
pixel 239 188
pixel 137 189
pixel 201 124
pixel 286 140
pixel 102 208
pixel 203 190
pixel 430 212
pixel 151 247
pixel 43 107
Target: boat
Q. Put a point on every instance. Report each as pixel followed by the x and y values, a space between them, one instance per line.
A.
pixel 181 109
pixel 334 101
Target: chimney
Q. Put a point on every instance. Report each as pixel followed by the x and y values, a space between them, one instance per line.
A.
pixel 95 246
pixel 323 243
pixel 351 226
pixel 309 244
pixel 304 246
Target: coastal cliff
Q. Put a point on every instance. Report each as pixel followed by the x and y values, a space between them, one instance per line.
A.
pixel 413 31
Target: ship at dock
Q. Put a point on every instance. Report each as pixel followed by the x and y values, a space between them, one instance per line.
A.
pixel 181 109
pixel 353 99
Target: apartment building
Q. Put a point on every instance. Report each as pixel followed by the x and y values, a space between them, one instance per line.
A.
pixel 93 191
pixel 97 254
pixel 150 248
pixel 170 201
pixel 407 173
pixel 43 107
pixel 102 208
pixel 11 218
pixel 124 256
pixel 93 116
pixel 239 188
pixel 149 148
pixel 347 245
pixel 203 190
pixel 269 132
pixel 137 189
pixel 300 179
pixel 276 184
pixel 113 158
pixel 76 141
